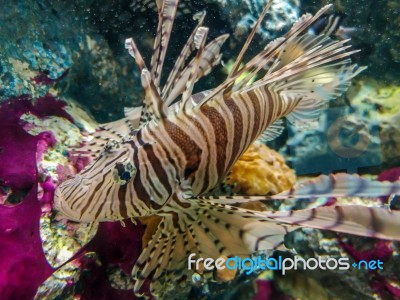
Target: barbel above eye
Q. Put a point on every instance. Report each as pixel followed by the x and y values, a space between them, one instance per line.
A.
pixel 123 172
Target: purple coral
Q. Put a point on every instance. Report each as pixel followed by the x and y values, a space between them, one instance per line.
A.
pixel 390 175
pixel 23 266
pixel 115 245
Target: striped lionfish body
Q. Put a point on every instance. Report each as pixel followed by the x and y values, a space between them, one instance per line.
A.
pixel 163 157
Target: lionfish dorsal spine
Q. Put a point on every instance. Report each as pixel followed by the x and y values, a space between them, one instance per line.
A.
pixel 209 58
pixel 133 50
pixel 166 19
pixel 246 45
pixel 199 41
pixel 180 62
pixel 152 97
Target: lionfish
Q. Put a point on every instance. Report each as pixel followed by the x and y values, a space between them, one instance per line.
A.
pixel 166 155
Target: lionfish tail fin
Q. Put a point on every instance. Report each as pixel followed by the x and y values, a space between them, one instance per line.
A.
pixel 211 230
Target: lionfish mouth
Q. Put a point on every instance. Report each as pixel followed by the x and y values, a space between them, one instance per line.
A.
pixel 65 201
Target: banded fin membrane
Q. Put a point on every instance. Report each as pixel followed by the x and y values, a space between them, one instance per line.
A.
pixel 213 230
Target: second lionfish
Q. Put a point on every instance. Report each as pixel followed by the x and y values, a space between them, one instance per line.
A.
pixel 165 156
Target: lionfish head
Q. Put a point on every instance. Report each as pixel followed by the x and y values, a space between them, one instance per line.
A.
pixel 90 195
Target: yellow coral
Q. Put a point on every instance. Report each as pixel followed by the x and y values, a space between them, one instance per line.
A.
pixel 261 171
pixel 371 91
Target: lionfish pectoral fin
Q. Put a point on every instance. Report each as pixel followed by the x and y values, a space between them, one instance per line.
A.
pixel 207 230
pixel 333 185
pixel 211 228
pixel 341 185
pixel 360 220
pixel 162 255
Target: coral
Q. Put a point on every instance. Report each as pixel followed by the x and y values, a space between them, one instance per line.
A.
pixel 34 243
pixel 390 175
pixel 371 95
pixel 261 171
pixel 37 52
pixel 25 267
pixel 379 95
pixel 280 16
pixel 390 139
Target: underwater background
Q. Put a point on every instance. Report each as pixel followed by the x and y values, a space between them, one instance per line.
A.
pixel 64 69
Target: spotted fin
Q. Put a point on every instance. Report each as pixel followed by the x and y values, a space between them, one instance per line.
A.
pixel 209 230
pixel 213 230
pixel 94 143
pixel 132 114
pixel 264 59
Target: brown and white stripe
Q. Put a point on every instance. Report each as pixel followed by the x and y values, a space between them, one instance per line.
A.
pixel 184 145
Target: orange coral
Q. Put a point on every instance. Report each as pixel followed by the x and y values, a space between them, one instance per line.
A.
pixel 261 171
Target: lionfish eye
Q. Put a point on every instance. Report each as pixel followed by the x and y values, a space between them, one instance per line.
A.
pixel 123 172
pixel 111 146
